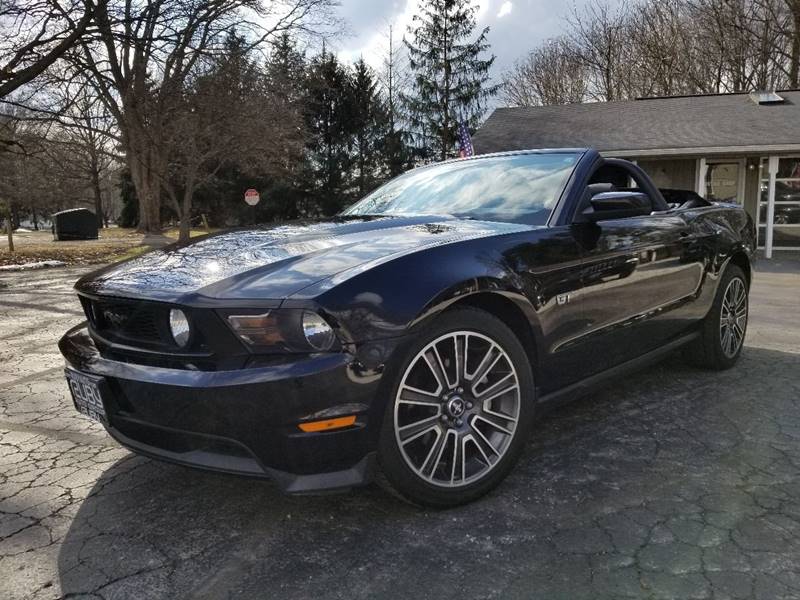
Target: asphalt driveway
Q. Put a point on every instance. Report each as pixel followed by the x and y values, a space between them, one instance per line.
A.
pixel 675 483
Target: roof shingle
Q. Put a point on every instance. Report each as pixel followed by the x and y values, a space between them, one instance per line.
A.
pixel 688 122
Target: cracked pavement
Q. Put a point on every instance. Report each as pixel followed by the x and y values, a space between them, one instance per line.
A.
pixel 674 483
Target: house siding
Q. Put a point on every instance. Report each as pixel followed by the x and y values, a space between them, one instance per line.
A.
pixel 677 173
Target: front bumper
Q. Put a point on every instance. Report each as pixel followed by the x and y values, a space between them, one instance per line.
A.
pixel 245 421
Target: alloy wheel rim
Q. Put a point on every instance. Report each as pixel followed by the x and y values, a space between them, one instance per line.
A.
pixel 457 409
pixel 733 317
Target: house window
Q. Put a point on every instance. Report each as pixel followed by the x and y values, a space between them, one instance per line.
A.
pixel 722 181
pixel 786 219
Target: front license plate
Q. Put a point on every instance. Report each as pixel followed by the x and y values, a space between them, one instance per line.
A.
pixel 86 394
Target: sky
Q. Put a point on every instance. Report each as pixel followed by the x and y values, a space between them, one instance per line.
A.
pixel 516 26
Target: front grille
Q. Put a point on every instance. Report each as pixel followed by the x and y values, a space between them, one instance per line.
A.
pixel 131 322
pixel 138 332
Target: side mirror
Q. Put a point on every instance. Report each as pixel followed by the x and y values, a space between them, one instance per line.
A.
pixel 617 205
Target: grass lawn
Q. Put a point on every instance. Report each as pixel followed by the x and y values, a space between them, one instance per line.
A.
pixel 114 244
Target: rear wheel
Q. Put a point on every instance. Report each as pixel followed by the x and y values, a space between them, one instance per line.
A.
pixel 461 410
pixel 724 328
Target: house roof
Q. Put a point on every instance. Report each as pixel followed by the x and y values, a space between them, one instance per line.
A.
pixel 674 125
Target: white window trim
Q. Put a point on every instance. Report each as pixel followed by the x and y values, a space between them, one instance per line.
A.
pixel 773 175
pixel 702 171
pixel 769 225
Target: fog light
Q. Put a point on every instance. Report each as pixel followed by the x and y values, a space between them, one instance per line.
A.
pixel 319 334
pixel 179 327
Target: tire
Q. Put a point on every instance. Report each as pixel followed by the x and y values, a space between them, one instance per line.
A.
pixel 722 332
pixel 454 428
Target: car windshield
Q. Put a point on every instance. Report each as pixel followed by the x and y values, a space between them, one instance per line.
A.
pixel 520 188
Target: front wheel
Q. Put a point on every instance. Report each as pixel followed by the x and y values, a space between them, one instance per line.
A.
pixel 723 330
pixel 462 404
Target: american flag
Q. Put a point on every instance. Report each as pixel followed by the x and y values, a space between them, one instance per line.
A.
pixel 464 141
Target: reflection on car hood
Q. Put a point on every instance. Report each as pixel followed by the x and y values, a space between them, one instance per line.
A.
pixel 275 262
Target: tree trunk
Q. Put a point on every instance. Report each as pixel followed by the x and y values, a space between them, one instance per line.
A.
pixel 98 199
pixel 10 229
pixel 35 219
pixel 184 233
pixel 148 194
pixel 145 167
pixel 184 207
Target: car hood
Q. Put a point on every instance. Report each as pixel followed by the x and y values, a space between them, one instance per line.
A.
pixel 275 262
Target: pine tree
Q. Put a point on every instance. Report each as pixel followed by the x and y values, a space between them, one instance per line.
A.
pixel 451 79
pixel 367 122
pixel 327 114
pixel 286 76
pixel 286 70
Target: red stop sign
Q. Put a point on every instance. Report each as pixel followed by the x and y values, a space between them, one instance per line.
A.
pixel 252 197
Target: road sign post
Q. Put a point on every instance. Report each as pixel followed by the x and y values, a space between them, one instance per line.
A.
pixel 252 197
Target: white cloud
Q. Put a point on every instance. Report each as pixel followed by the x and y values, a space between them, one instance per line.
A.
pixel 505 9
pixel 373 44
pixel 483 8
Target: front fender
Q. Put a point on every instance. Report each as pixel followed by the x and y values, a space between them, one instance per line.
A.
pixel 474 292
pixel 388 300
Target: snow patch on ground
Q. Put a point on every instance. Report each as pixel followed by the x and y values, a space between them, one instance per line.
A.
pixel 43 264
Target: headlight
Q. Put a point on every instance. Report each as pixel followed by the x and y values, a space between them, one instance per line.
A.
pixel 317 332
pixel 179 327
pixel 286 330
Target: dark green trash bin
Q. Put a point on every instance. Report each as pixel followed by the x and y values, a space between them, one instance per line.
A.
pixel 75 224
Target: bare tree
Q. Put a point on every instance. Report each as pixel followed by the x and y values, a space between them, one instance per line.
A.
pixel 34 34
pixel 663 55
pixel 87 128
pixel 745 36
pixel 662 48
pixel 780 20
pixel 793 32
pixel 143 56
pixel 601 36
pixel 553 73
pixel 43 173
pixel 76 132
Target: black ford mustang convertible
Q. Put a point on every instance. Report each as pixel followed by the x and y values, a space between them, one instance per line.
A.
pixel 418 334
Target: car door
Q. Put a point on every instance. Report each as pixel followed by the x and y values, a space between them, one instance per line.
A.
pixel 639 273
pixel 548 269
